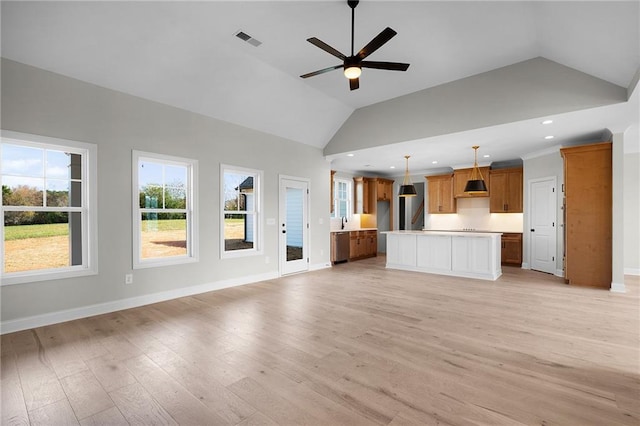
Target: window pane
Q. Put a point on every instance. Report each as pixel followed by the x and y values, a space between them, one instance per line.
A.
pixel 22 191
pixel 58 164
pixel 236 186
pixel 39 240
pixel 175 197
pixel 239 231
pixel 163 235
pixel 22 161
pixel 151 197
pixel 149 173
pixel 342 208
pixel 175 176
pixel 57 193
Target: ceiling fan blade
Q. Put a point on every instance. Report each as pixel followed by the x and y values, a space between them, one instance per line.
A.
pixel 386 35
pixel 392 66
pixel 322 71
pixel 324 46
pixel 354 83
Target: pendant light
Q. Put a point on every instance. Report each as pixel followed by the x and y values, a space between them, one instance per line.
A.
pixel 407 189
pixel 476 184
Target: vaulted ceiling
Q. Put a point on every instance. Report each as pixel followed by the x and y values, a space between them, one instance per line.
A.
pixel 186 54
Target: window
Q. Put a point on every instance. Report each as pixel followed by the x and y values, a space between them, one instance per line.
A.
pixel 164 214
pixel 48 208
pixel 341 198
pixel 241 206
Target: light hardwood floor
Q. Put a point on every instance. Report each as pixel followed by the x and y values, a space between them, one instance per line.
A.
pixel 352 345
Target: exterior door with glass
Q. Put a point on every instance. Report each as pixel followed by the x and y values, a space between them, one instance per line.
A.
pixel 294 225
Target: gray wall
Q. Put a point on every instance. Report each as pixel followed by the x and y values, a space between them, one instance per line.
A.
pixel 39 102
pixel 632 213
pixel 548 87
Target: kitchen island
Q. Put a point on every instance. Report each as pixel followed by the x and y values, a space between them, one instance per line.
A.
pixel 456 253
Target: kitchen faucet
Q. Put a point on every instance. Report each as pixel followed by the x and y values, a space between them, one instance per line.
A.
pixel 343 220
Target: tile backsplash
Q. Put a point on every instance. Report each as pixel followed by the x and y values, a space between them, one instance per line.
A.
pixel 473 213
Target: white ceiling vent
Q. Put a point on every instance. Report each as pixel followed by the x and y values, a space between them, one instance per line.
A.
pixel 246 37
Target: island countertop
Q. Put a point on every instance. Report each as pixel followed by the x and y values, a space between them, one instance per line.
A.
pixel 453 233
pixel 467 254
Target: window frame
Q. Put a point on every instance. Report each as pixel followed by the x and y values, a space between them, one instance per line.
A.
pixel 88 209
pixel 258 177
pixel 336 200
pixel 191 211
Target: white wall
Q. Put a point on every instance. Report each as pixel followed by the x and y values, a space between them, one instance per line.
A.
pixel 39 102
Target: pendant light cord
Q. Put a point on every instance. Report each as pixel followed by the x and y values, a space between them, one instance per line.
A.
pixel 406 171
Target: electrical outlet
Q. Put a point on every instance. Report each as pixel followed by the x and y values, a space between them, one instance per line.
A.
pixel 267 259
pixel 321 252
pixel 128 278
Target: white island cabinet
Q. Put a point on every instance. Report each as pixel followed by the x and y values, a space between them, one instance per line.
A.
pixel 462 254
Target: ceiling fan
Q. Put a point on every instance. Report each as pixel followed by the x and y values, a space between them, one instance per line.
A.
pixel 353 64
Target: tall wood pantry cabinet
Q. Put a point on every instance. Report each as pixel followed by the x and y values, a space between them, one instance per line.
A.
pixel 588 214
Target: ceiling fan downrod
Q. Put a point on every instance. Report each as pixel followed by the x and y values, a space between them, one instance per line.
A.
pixel 352 4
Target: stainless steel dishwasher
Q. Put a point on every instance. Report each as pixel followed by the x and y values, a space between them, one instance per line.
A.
pixel 339 247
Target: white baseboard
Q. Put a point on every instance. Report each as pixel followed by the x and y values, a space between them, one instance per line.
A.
pixel 618 288
pixel 318 266
pixel 557 273
pixel 631 271
pixel 133 302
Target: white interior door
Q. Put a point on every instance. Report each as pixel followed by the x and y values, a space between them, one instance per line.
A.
pixel 543 222
pixel 294 225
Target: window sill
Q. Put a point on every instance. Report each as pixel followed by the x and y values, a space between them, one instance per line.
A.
pixel 165 262
pixel 45 275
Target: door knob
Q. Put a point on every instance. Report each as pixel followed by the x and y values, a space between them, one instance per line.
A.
pixel 533 230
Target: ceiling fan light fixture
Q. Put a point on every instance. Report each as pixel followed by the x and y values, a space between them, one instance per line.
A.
pixel 352 72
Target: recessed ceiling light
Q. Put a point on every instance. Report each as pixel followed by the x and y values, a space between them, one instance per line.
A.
pixel 434 162
pixel 350 155
pixel 392 167
pixel 486 156
pixel 547 122
pixel 548 137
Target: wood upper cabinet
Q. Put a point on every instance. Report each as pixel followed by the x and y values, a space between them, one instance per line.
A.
pixel 384 189
pixel 440 192
pixel 505 191
pixel 364 201
pixel 462 176
pixel 588 214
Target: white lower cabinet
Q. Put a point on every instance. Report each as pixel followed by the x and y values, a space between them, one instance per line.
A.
pixel 472 255
pixel 434 252
pixel 401 249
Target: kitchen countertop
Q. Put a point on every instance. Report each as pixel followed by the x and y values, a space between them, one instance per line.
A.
pixel 472 230
pixel 350 230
